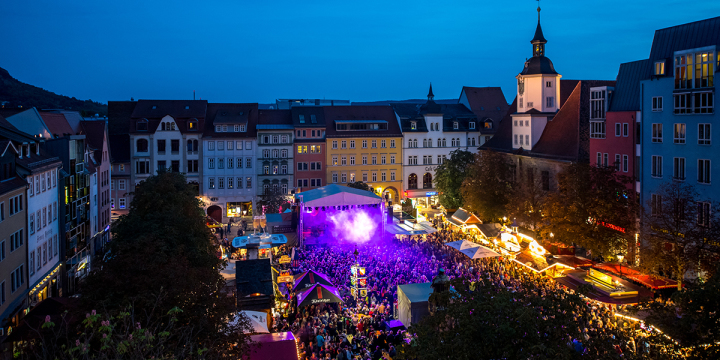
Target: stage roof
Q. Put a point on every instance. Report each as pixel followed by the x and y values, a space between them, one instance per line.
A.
pixel 332 195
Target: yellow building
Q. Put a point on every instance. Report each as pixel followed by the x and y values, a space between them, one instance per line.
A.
pixel 364 143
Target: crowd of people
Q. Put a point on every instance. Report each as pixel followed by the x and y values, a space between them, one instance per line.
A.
pixel 358 328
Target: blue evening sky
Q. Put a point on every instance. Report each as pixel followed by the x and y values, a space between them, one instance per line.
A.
pixel 258 51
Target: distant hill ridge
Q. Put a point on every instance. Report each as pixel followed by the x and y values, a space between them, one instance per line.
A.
pixel 14 93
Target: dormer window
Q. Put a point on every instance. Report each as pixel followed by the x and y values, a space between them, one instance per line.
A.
pixel 472 125
pixel 313 119
pixel 218 128
pixel 224 128
pixel 154 107
pixel 302 119
pixel 192 125
pixel 142 125
pixel 187 107
pixel 659 68
pixel 413 125
pixel 488 124
pixel 236 128
pixel 242 128
pixel 456 125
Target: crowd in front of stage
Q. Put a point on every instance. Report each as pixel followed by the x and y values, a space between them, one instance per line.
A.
pixel 357 328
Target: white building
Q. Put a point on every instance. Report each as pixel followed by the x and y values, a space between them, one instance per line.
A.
pixel 44 255
pixel 229 161
pixel 431 131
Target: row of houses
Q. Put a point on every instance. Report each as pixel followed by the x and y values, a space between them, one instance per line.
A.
pixel 54 205
pixel 235 153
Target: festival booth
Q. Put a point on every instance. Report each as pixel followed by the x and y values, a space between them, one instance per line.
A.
pixel 464 220
pixel 258 246
pixel 310 278
pixel 318 294
pixel 522 248
pixel 489 231
pixel 653 282
pixel 277 346
pixel 412 303
pixel 472 250
pixel 339 213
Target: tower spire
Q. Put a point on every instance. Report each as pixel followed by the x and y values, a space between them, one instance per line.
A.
pixel 430 95
pixel 538 40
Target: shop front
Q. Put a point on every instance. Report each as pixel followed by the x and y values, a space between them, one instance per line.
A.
pixel 423 198
pixel 47 286
pixel 238 209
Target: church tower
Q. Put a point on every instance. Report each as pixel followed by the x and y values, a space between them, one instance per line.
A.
pixel 538 94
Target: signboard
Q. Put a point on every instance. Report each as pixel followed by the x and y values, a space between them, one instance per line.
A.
pixel 282 229
pixel 603 278
pixel 431 193
pixel 285 279
pixel 285 259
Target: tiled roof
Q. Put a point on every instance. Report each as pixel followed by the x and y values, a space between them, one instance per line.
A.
pixel 626 96
pixel 9 185
pixel 274 117
pixel 119 115
pixel 119 148
pixel 231 114
pixel 682 37
pixel 566 136
pixel 333 113
pixel 41 160
pixel 56 123
pixel 308 112
pixel 182 111
pixel 95 135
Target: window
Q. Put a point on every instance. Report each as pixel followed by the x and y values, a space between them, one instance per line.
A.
pixel 521 103
pixel 334 160
pixel 16 240
pixel 605 159
pixel 55 210
pixel 302 118
pixel 230 163
pixel 374 144
pixel 141 145
pixel 392 158
pixel 455 125
pixel 529 104
pixel 527 140
pixel 382 159
pixel 142 125
pixel 382 144
pixel 220 145
pixel 16 204
pixel 413 125
pixel 597 129
pixel 275 139
pixel 248 163
pixel 231 182
pixel 655 204
pixel 703 134
pixel 335 144
pixel 549 101
pixel 704 171
pixel 211 163
pixel 679 131
pixel 352 160
pixel 703 103
pixel 625 163
pixel 343 160
pixel 657 133
pixel 343 144
pixel 656 166
pixel 334 177
pixel 364 160
pixel 211 183
pixel 626 129
pixel 657 103
pixel 17 278
pixel 161 146
pixel 679 168
pixel 284 141
pixel 122 202
pixel 617 162
pixel 374 159
pixel 617 129
pixel 660 67
pixel 283 169
pixel 248 183
pixel 2 250
pixel 374 176
pixel 221 183
pixel 392 143
pixel 365 177
pixel 31 223
pixel 364 144
pixel 597 104
pixel 383 177
pixel 313 119
pixel 516 139
pixel 703 212
pixel 343 177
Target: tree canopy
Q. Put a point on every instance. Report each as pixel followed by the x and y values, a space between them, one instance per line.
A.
pixel 360 185
pixel 274 201
pixel 487 188
pixel 449 177
pixel 163 256
pixel 593 207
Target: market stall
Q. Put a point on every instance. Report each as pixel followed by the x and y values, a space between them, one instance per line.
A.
pixel 310 278
pixel 318 294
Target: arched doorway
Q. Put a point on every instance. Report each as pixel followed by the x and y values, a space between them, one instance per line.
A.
pixel 215 212
pixel 412 181
pixel 394 194
pixel 427 181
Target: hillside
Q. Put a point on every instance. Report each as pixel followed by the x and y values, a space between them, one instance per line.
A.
pixel 14 93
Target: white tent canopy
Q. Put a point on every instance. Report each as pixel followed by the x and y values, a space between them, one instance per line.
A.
pixel 258 321
pixel 472 250
pixel 462 244
pixel 333 195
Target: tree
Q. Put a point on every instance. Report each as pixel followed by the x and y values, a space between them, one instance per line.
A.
pixel 526 202
pixel 495 323
pixel 692 318
pixel 449 177
pixel 680 231
pixel 487 188
pixel 163 256
pixel 360 185
pixel 592 208
pixel 274 201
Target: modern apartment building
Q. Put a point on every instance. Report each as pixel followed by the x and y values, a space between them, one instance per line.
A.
pixel 678 112
pixel 364 143
pixel 309 122
pixel 228 164
pixel 275 155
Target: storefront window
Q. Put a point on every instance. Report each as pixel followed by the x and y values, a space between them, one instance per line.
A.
pixel 237 209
